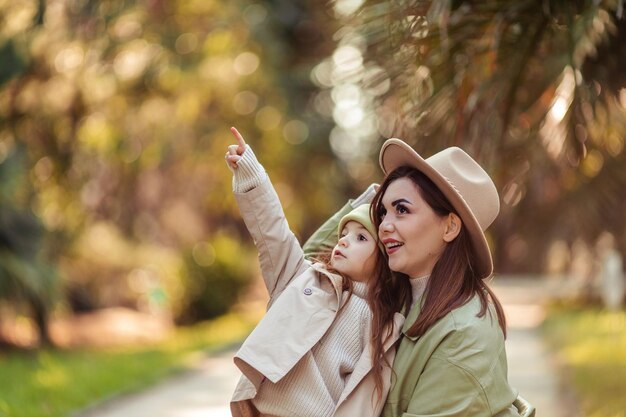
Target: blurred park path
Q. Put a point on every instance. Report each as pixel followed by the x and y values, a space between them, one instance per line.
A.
pixel 532 368
pixel 205 390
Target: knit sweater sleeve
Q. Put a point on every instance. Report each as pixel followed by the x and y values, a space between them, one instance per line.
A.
pixel 249 173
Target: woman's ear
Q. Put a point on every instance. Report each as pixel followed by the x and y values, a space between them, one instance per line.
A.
pixel 453 225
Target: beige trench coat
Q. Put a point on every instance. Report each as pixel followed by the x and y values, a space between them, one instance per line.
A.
pixel 304 300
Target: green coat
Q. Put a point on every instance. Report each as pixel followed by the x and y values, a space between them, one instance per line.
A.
pixel 457 368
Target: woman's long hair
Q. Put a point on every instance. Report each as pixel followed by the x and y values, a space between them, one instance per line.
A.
pixel 453 280
pixel 388 294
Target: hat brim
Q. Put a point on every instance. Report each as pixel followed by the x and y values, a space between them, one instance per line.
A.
pixel 396 153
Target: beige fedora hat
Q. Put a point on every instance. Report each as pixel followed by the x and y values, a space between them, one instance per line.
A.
pixel 467 186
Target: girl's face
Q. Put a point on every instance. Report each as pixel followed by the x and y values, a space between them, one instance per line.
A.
pixel 355 254
pixel 410 230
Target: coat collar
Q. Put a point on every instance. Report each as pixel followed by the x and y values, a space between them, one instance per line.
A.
pixel 411 318
pixel 336 280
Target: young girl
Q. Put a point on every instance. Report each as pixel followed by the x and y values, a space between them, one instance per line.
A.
pixel 321 349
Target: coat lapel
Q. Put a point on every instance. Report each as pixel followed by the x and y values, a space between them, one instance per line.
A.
pixel 268 354
pixel 364 364
pixel 335 280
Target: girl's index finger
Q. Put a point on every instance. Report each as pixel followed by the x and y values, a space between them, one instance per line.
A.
pixel 241 142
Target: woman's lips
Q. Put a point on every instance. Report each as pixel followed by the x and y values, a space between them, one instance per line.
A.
pixel 392 245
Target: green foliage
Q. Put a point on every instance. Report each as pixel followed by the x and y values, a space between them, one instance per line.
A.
pixel 48 378
pixel 130 273
pixel 123 109
pixel 591 344
pixel 25 277
pixel 12 61
pixel 215 275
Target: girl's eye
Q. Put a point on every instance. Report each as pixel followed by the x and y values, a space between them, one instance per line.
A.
pixel 362 237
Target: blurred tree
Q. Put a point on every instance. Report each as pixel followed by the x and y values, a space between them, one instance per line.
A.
pixel 27 280
pixel 123 109
pixel 25 277
pixel 213 278
pixel 534 89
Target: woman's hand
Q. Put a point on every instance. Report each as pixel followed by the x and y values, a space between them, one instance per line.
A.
pixel 235 151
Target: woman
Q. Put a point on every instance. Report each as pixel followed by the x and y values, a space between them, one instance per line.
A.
pixel 431 215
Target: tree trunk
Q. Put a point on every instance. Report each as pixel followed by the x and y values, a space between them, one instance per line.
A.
pixel 41 317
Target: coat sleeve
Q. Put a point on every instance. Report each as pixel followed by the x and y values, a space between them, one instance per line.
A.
pixel 280 254
pixel 324 239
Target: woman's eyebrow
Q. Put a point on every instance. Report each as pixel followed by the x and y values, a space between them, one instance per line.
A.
pixel 400 200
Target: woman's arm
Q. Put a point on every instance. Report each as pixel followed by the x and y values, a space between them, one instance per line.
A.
pixel 324 239
pixel 280 255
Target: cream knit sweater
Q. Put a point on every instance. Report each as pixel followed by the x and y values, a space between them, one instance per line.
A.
pixel 313 387
pixel 418 286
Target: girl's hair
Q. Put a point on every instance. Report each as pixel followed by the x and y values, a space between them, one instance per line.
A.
pixel 387 294
pixel 453 280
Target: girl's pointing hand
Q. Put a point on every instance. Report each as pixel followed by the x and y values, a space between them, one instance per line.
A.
pixel 235 151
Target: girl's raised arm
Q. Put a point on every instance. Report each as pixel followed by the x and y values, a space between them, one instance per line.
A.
pixel 280 253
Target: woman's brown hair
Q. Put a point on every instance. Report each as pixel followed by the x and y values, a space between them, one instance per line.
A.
pixel 388 294
pixel 452 282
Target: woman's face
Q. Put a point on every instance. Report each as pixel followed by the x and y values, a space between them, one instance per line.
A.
pixel 410 230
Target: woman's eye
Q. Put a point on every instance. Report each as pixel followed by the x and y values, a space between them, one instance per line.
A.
pixel 401 209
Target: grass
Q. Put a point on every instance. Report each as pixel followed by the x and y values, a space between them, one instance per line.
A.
pixel 592 345
pixel 56 383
